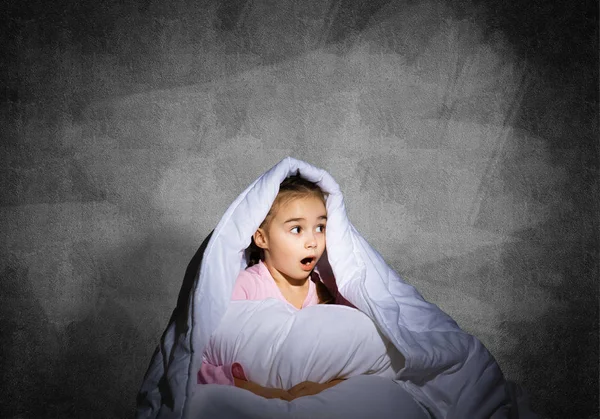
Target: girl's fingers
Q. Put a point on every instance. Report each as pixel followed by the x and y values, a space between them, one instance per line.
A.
pixel 302 393
pixel 306 388
pixel 308 392
pixel 287 397
pixel 298 387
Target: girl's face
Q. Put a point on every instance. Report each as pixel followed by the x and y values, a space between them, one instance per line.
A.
pixel 295 233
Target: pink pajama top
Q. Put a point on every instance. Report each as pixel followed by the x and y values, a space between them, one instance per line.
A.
pixel 253 283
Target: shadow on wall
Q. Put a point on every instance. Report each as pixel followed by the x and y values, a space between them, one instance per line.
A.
pixel 558 352
pixel 98 355
pixel 54 372
pixel 534 306
pixel 29 346
pixel 141 294
pixel 93 366
pixel 154 379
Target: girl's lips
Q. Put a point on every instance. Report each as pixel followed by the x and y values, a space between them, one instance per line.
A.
pixel 308 266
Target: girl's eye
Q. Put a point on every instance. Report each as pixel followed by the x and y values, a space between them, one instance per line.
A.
pixel 298 228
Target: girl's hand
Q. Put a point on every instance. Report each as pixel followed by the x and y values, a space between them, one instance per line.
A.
pixel 273 393
pixel 266 392
pixel 309 388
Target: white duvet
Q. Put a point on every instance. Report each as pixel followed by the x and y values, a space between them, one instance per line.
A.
pixel 446 370
pixel 280 347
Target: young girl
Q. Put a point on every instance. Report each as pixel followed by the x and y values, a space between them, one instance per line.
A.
pixel 284 252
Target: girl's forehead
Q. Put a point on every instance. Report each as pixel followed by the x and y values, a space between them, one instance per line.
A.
pixel 299 207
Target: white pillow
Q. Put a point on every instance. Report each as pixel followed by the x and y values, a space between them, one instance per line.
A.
pixel 280 347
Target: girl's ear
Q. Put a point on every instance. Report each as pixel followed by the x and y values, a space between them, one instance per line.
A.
pixel 260 238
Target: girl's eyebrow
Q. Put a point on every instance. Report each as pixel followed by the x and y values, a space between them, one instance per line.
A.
pixel 322 217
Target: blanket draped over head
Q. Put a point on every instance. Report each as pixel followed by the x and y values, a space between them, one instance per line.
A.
pixel 447 370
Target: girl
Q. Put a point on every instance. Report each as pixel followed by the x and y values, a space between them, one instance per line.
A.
pixel 284 252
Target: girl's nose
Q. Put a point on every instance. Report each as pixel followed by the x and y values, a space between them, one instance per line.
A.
pixel 311 241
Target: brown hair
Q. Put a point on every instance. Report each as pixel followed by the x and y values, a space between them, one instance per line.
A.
pixel 293 187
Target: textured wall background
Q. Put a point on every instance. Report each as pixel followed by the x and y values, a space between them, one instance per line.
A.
pixel 464 139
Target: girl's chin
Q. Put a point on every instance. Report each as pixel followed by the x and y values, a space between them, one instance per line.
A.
pixel 298 274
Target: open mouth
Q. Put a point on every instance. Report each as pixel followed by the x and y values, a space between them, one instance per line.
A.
pixel 308 261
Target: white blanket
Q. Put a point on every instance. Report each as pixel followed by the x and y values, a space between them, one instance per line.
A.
pixel 280 347
pixel 447 370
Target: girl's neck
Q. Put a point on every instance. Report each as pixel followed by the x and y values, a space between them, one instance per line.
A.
pixel 284 281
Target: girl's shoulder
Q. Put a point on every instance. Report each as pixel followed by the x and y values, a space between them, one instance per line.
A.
pixel 249 284
pixel 252 270
pixel 250 274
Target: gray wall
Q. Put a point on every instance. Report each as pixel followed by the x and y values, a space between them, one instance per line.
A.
pixel 464 140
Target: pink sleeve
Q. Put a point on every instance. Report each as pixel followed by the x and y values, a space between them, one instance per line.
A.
pixel 244 287
pixel 220 374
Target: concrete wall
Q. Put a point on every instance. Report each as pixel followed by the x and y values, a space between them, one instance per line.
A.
pixel 464 140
